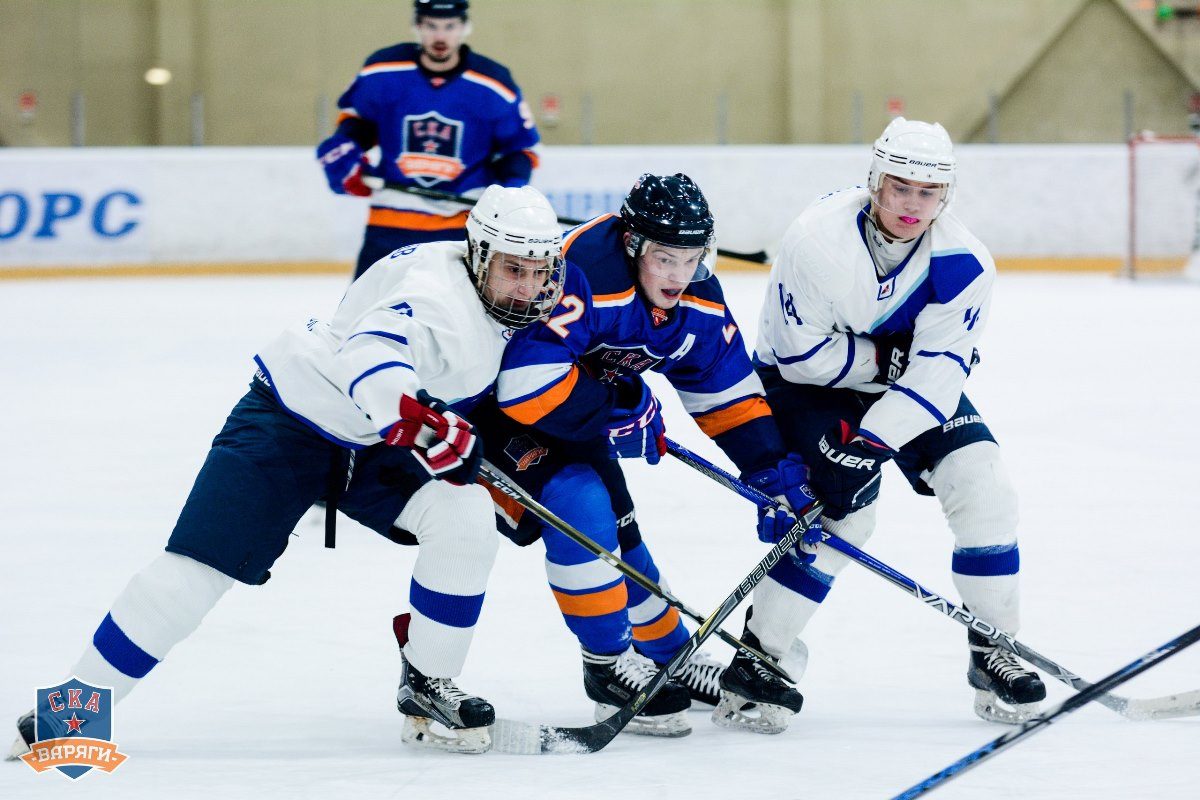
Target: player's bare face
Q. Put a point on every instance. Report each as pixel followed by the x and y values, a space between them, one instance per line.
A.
pixel 517 284
pixel 664 272
pixel 904 208
pixel 440 40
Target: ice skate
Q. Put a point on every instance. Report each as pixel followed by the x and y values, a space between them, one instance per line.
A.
pixel 24 740
pixel 424 701
pixel 612 681
pixel 1005 691
pixel 754 698
pixel 701 676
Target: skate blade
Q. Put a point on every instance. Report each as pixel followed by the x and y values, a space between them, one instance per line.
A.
pixel 738 713
pixel 419 732
pixel 671 726
pixel 991 708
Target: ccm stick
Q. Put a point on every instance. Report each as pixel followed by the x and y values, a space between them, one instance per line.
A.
pixel 1184 704
pixel 505 485
pixel 509 736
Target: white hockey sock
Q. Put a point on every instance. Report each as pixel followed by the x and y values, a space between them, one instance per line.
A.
pixel 161 606
pixel 456 530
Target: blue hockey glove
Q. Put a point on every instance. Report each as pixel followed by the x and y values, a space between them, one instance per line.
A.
pixel 341 157
pixel 635 428
pixel 846 476
pixel 787 482
pixel 892 353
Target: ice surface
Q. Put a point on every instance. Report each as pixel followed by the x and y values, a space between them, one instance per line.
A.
pixel 113 389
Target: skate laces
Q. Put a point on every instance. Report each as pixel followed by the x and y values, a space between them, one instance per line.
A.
pixel 447 690
pixel 1003 663
pixel 703 673
pixel 635 669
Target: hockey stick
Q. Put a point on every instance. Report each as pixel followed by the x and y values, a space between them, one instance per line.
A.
pixel 522 738
pixel 1041 721
pixel 1184 704
pixel 759 257
pixel 489 473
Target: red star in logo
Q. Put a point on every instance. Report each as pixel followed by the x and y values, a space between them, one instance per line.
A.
pixel 74 723
pixel 430 146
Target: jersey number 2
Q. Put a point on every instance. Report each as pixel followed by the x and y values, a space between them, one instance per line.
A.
pixel 574 311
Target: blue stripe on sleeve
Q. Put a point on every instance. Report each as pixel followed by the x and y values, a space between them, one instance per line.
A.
pixel 120 651
pixel 802 579
pixel 373 370
pixel 455 610
pixel 395 337
pixel 803 356
pixel 930 354
pixel 921 401
pixel 849 361
pixel 1002 559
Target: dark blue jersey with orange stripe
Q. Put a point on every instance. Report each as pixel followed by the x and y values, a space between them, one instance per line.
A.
pixel 454 131
pixel 558 376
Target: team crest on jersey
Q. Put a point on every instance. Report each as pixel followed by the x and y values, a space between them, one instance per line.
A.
pixel 887 288
pixel 525 452
pixel 73 730
pixel 432 148
pixel 606 362
pixel 658 316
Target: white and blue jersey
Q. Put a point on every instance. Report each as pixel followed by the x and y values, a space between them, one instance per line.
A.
pixel 825 300
pixel 413 321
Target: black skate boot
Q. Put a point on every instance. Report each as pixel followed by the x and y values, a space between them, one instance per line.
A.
pixel 425 700
pixel 24 740
pixel 999 681
pixel 747 686
pixel 612 681
pixel 701 676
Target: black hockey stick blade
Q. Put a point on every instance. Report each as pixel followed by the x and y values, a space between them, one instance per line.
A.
pixel 757 257
pixel 1183 704
pixel 1072 703
pixel 520 738
pixel 511 489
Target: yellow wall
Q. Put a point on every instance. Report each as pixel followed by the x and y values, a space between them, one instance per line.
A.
pixel 651 71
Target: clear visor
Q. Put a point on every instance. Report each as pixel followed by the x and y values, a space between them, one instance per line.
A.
pixel 520 290
pixel 677 264
pixel 911 201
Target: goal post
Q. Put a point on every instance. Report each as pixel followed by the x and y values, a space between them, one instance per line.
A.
pixel 1164 204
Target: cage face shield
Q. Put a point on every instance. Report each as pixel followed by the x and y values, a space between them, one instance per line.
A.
pixel 518 290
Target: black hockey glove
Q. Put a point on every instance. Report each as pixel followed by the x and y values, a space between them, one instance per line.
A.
pixel 892 353
pixel 846 476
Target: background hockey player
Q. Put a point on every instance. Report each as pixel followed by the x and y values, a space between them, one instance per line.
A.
pixel 874 306
pixel 345 411
pixel 640 296
pixel 443 117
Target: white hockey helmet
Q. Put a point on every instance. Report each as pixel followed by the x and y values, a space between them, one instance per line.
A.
pixel 515 230
pixel 915 151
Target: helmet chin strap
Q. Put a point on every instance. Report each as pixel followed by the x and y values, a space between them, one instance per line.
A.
pixel 877 225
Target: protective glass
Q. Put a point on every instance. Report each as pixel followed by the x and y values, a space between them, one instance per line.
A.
pixel 518 291
pixel 911 201
pixel 677 264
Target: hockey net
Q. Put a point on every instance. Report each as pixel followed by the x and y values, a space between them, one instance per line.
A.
pixel 1164 206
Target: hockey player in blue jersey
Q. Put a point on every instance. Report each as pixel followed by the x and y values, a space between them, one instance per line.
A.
pixel 875 304
pixel 342 411
pixel 442 117
pixel 640 296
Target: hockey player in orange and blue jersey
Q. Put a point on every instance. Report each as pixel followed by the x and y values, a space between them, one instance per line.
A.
pixel 640 296
pixel 442 117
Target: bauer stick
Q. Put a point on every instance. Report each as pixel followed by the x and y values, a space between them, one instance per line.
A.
pixel 505 485
pixel 524 738
pixel 1184 704
pixel 1041 721
pixel 759 257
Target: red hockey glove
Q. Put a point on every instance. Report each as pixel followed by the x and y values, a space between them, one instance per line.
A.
pixel 444 442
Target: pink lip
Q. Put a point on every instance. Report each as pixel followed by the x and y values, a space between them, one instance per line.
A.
pixel 909 220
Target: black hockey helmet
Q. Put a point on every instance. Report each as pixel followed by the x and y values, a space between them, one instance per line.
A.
pixel 670 210
pixel 440 8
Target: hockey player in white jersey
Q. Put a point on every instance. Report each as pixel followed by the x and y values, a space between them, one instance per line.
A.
pixel 344 411
pixel 875 304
